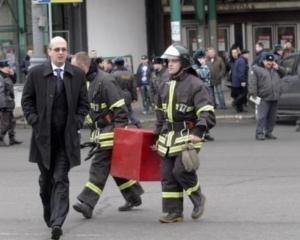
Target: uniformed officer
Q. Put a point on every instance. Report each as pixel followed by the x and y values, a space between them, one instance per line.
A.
pixel 7 104
pixel 184 113
pixel 159 75
pixel 125 80
pixel 107 110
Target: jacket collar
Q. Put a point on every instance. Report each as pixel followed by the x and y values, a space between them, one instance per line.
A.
pixel 48 69
pixel 180 76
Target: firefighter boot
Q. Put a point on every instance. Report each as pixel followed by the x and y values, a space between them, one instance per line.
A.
pixel 171 218
pixel 13 141
pixel 199 209
pixel 129 205
pixel 56 232
pixel 84 209
pixel 3 144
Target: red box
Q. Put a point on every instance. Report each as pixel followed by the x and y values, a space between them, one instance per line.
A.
pixel 132 156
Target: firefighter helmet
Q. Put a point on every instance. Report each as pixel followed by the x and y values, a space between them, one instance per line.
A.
pixel 178 51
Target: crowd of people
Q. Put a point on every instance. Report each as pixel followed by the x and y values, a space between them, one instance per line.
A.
pixel 85 89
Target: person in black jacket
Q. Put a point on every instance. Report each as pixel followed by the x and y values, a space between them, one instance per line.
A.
pixel 143 76
pixel 125 80
pixel 259 51
pixel 55 103
pixel 239 85
pixel 26 61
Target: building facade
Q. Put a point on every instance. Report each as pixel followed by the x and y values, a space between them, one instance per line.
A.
pixel 241 22
pixel 136 27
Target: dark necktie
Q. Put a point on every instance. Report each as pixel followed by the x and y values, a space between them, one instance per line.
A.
pixel 59 80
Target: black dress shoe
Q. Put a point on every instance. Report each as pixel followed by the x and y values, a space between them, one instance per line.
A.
pixel 14 141
pixel 56 232
pixel 198 210
pixel 84 209
pixel 129 205
pixel 171 218
pixel 270 136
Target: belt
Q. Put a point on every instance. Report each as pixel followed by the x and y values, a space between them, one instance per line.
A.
pixel 178 126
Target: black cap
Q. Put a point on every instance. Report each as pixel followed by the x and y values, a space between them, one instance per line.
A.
pixel 268 56
pixel 277 47
pixel 4 63
pixel 157 60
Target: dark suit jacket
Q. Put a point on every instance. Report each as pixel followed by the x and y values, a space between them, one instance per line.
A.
pixel 37 102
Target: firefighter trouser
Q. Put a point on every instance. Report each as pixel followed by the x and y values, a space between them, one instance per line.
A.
pixel 7 124
pixel 99 172
pixel 175 179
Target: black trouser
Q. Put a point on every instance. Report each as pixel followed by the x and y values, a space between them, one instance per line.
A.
pixel 175 179
pixel 54 185
pixel 7 124
pixel 239 94
pixel 99 172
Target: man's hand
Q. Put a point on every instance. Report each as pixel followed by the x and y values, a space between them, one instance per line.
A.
pixel 243 84
pixel 196 139
pixel 275 66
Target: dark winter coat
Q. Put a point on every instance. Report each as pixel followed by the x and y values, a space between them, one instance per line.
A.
pixel 239 72
pixel 125 80
pixel 258 57
pixel 217 70
pixel 7 96
pixel 37 101
pixel 265 83
pixel 139 75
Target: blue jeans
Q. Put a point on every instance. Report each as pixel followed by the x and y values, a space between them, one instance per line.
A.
pixel 219 96
pixel 147 97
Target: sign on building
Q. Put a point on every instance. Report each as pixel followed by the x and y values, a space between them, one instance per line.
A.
pixel 55 1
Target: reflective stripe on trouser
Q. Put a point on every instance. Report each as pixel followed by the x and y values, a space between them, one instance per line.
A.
pixel 99 172
pixel 175 179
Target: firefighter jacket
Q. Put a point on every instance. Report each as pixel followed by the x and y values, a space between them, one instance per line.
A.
pixel 107 109
pixel 126 82
pixel 7 96
pixel 183 109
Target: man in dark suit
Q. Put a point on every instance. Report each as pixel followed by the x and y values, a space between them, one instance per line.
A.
pixel 55 103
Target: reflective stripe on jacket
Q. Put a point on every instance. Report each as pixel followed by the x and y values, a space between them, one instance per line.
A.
pixel 184 99
pixel 107 109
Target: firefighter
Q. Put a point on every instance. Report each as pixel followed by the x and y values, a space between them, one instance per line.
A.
pixel 126 81
pixel 107 110
pixel 184 114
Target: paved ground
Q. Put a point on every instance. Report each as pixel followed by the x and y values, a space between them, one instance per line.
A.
pixel 252 189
